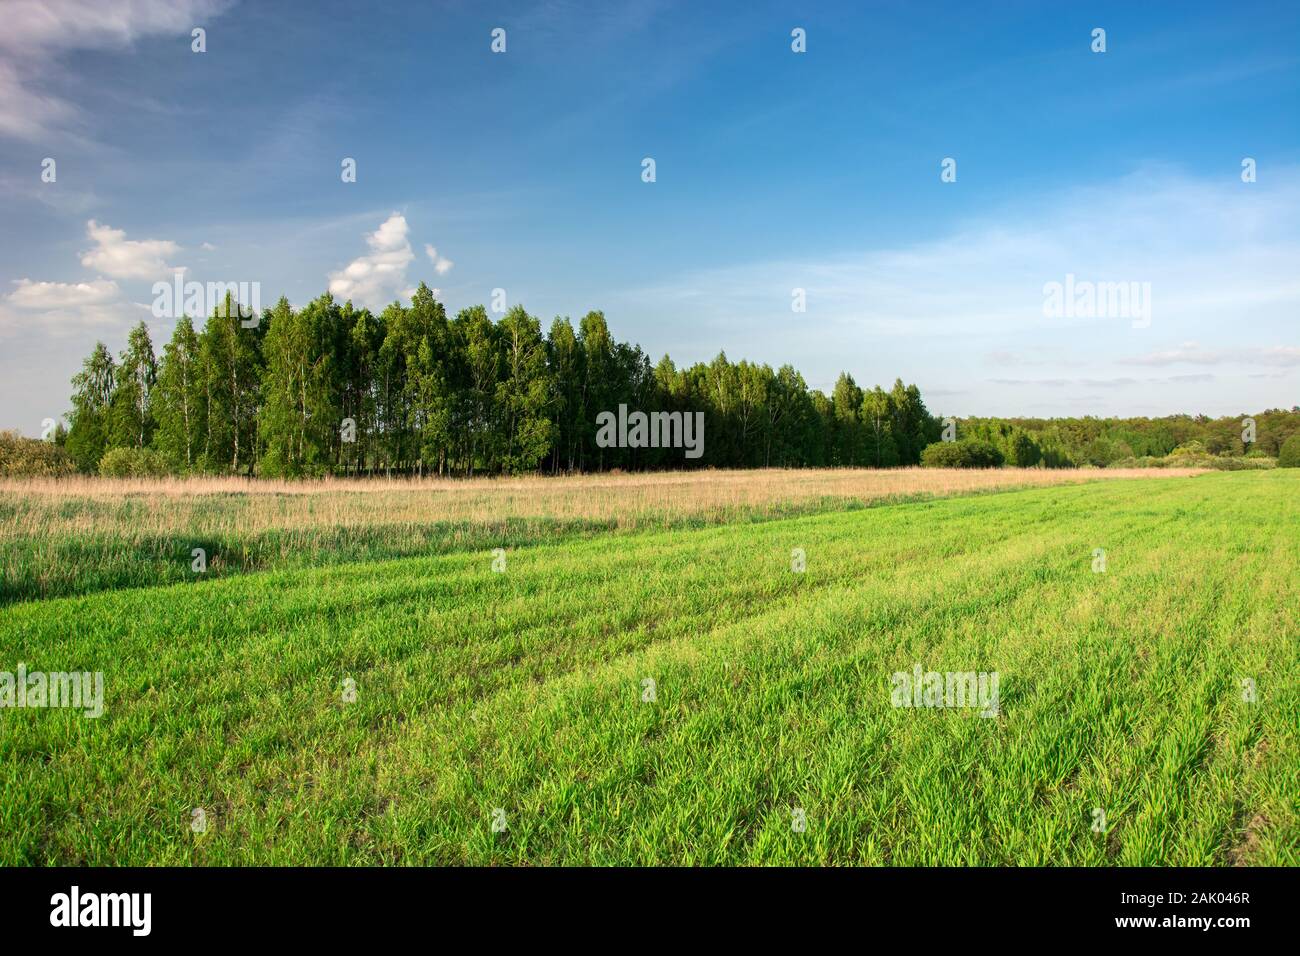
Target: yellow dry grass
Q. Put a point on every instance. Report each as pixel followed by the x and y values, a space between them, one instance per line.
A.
pixel 158 506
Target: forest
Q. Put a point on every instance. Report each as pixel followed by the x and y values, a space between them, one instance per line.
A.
pixel 333 389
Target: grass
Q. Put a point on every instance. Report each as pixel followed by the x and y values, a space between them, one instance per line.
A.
pixel 76 536
pixel 523 691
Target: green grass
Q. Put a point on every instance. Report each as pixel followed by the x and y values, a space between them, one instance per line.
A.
pixel 35 566
pixel 522 690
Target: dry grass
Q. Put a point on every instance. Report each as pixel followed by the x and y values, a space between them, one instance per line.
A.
pixel 135 507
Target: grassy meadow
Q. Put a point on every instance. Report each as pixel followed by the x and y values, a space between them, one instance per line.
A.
pixel 645 676
pixel 72 536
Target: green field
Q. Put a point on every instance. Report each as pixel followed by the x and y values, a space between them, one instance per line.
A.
pixel 523 690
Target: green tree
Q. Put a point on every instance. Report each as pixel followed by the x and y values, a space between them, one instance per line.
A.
pixel 878 424
pixel 479 364
pixel 1289 455
pixel 564 358
pixel 358 370
pixel 847 402
pixel 966 453
pixel 178 398
pixel 598 386
pixel 913 426
pixel 131 419
pixel 297 419
pixel 92 398
pixel 230 368
pixel 524 393
pixel 428 342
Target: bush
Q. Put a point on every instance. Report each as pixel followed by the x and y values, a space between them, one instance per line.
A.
pixel 1289 456
pixel 968 453
pixel 1190 449
pixel 133 463
pixel 1187 459
pixel 28 458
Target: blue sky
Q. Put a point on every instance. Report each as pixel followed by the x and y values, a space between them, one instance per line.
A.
pixel 774 171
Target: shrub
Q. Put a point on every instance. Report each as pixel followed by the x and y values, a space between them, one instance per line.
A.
pixel 1289 456
pixel 133 463
pixel 1185 458
pixel 968 453
pixel 28 458
pixel 1190 449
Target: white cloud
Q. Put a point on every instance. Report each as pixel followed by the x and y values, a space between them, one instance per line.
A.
pixel 36 31
pixel 1193 353
pixel 60 309
pixel 440 265
pixel 376 279
pixel 1101 382
pixel 123 258
pixel 95 25
pixel 61 295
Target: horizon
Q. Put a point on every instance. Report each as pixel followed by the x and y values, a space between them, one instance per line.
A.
pixel 775 172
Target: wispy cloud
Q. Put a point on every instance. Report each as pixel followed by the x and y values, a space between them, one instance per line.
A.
pixel 1193 353
pixel 441 265
pixel 1122 382
pixel 36 32
pixel 1212 250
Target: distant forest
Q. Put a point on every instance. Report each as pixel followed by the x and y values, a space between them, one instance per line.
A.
pixel 332 389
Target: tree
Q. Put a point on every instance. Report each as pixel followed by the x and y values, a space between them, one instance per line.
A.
pixel 597 384
pixel 913 427
pixel 297 418
pixel 421 394
pixel 131 420
pixel 230 369
pixel 391 392
pixel 564 359
pixel 91 399
pixel 479 362
pixel 524 393
pixel 178 398
pixel 788 410
pixel 428 342
pixel 1289 455
pixel 847 402
pixel 357 370
pixel 967 453
pixel 878 424
pixel 820 447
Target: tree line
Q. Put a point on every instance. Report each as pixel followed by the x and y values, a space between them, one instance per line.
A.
pixel 333 389
pixel 1089 440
